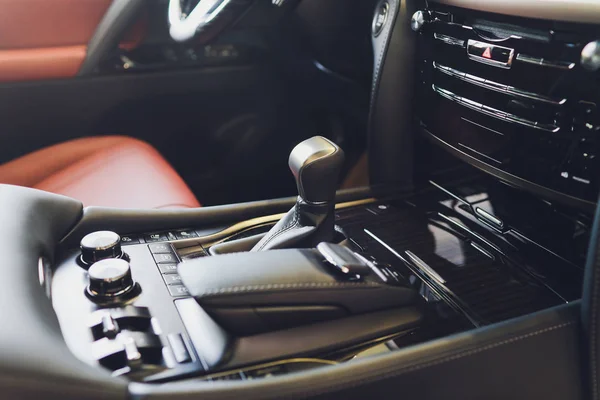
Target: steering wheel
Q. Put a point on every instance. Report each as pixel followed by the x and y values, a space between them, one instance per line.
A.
pixel 205 20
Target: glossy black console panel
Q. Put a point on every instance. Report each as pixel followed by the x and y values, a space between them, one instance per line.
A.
pixel 532 121
pixel 487 275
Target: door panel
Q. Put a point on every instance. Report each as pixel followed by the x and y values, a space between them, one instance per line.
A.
pixel 47 39
pixel 225 123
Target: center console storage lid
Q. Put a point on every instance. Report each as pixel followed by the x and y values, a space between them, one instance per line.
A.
pixel 259 291
pixel 285 277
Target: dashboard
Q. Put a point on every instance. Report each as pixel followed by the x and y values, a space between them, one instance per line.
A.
pixel 515 97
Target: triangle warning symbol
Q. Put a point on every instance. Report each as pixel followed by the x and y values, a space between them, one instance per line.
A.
pixel 487 53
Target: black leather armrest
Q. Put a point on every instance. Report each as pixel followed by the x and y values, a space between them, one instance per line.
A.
pixel 243 290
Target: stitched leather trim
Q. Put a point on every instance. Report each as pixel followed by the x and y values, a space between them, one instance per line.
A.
pixel 292 224
pixel 279 286
pixel 401 371
pixel 386 35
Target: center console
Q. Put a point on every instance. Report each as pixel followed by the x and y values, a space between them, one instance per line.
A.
pixel 320 285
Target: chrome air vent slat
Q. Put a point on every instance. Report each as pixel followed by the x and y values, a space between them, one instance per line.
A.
pixel 449 40
pixel 492 112
pixel 498 87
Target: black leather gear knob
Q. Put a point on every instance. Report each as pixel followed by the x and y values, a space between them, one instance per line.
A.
pixel 316 164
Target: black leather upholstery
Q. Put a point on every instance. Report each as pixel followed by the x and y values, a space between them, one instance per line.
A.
pixel 305 225
pixel 282 277
pixel 243 290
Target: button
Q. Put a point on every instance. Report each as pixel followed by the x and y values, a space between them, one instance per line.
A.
pixel 185 234
pixel 380 18
pixel 171 236
pixel 172 279
pixel 165 258
pixel 156 237
pixel 417 21
pixel 178 290
pixel 178 347
pixel 129 239
pixel 167 268
pixel 231 377
pixel 160 248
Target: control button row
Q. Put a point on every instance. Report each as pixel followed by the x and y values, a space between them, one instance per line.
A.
pixel 158 237
pixel 498 87
pixel 166 261
pixel 492 112
pixel 166 236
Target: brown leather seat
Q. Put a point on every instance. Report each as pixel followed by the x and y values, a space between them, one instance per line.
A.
pixel 111 171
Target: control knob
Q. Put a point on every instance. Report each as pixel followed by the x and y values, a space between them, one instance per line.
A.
pixel 590 56
pixel 418 20
pixel 109 279
pixel 100 245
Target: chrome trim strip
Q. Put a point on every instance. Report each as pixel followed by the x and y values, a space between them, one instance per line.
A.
pixel 564 65
pixel 492 112
pixel 489 217
pixel 498 87
pixel 449 40
pixel 424 267
pixel 483 60
pixel 486 253
pixel 581 11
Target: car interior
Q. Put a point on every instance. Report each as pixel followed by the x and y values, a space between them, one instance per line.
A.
pixel 300 199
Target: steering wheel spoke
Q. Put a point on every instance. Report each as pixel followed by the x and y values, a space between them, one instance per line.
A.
pixel 183 28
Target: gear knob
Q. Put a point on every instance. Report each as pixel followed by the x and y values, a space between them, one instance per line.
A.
pixel 316 164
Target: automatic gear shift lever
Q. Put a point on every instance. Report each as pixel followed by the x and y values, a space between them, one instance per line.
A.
pixel 316 164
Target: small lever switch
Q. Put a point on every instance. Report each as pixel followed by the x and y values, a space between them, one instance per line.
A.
pixel 344 260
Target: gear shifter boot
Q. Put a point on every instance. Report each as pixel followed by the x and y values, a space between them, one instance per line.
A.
pixel 316 164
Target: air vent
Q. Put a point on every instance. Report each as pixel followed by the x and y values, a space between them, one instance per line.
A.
pixel 510 93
